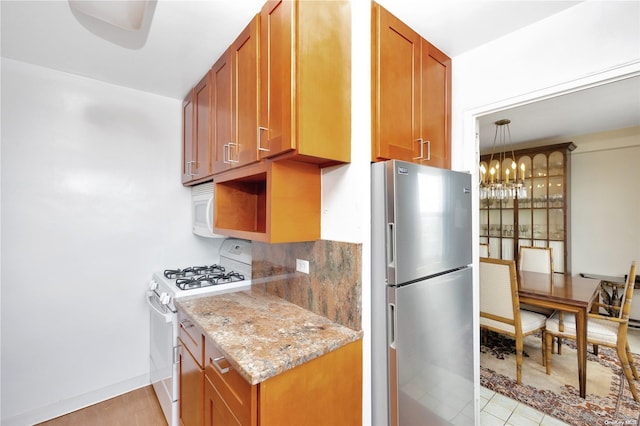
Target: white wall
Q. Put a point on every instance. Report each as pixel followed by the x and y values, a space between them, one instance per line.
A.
pixel 91 205
pixel 605 202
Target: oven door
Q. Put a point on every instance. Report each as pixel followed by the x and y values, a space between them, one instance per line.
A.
pixel 164 367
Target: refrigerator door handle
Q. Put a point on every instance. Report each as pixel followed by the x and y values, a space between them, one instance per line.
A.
pixel 391 241
pixel 391 325
pixel 392 366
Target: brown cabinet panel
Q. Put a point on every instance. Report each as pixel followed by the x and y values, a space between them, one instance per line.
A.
pixel 275 77
pixel 332 380
pixel 190 399
pixel 396 80
pixel 188 157
pixel 196 134
pixel 305 81
pixel 324 391
pixel 192 338
pixel 269 201
pixel 411 95
pixel 202 127
pixel 216 411
pixel 435 116
pixel 244 147
pixel 235 102
pixel 235 398
pixel 221 112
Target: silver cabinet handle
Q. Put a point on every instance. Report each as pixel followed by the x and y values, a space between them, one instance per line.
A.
pixel 421 144
pixel 260 147
pixel 225 153
pixel 234 145
pixel 419 157
pixel 218 367
pixel 185 323
pixel 190 171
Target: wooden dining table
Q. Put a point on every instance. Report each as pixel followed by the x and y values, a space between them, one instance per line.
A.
pixel 572 294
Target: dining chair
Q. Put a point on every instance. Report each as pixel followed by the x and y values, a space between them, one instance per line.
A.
pixel 601 330
pixel 500 306
pixel 536 259
pixel 484 250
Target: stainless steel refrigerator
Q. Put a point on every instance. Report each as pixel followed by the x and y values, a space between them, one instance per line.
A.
pixel 422 311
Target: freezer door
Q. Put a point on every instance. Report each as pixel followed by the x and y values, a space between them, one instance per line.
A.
pixel 428 221
pixel 430 351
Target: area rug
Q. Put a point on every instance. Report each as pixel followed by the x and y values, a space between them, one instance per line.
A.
pixel 557 394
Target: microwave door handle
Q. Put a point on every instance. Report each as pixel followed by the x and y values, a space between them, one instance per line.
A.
pixel 209 215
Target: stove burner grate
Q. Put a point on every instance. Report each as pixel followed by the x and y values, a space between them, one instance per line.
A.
pixel 206 280
pixel 192 271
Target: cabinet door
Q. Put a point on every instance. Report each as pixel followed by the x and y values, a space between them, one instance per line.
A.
pixel 396 88
pixel 435 103
pixel 222 93
pixel 244 147
pixel 187 138
pixel 191 389
pixel 216 412
pixel 202 127
pixel 275 77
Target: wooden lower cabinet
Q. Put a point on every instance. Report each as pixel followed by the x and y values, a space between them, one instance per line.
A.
pixel 191 369
pixel 216 411
pixel 191 388
pixel 323 391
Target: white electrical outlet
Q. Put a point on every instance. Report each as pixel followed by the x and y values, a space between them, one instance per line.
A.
pixel 302 266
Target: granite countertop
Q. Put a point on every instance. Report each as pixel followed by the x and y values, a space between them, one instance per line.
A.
pixel 263 335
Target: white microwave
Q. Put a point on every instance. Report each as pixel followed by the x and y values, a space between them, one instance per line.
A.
pixel 202 210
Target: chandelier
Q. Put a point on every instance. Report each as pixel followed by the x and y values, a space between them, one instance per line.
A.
pixel 502 179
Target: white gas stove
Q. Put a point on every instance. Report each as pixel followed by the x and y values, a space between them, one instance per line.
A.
pixel 230 272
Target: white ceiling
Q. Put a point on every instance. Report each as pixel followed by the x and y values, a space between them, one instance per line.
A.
pixel 180 40
pixel 609 106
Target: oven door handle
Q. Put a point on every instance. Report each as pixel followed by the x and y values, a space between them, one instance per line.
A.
pixel 153 300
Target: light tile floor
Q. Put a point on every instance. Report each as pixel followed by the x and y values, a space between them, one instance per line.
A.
pixel 498 410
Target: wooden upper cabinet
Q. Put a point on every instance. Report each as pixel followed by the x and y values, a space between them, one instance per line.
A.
pixel 244 50
pixel 196 133
pixel 222 93
pixel 187 138
pixel 202 126
pixel 235 102
pixel 305 81
pixel 411 94
pixel 396 83
pixel 435 103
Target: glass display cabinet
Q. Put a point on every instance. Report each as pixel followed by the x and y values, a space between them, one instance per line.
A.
pixel 539 215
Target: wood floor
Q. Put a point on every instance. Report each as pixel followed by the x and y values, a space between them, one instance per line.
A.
pixel 136 408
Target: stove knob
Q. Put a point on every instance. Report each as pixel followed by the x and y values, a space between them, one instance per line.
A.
pixel 153 284
pixel 164 298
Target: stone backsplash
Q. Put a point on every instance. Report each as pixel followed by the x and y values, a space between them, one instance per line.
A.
pixel 333 287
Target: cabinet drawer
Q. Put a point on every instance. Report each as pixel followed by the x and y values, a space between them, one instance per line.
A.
pixel 191 337
pixel 237 393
